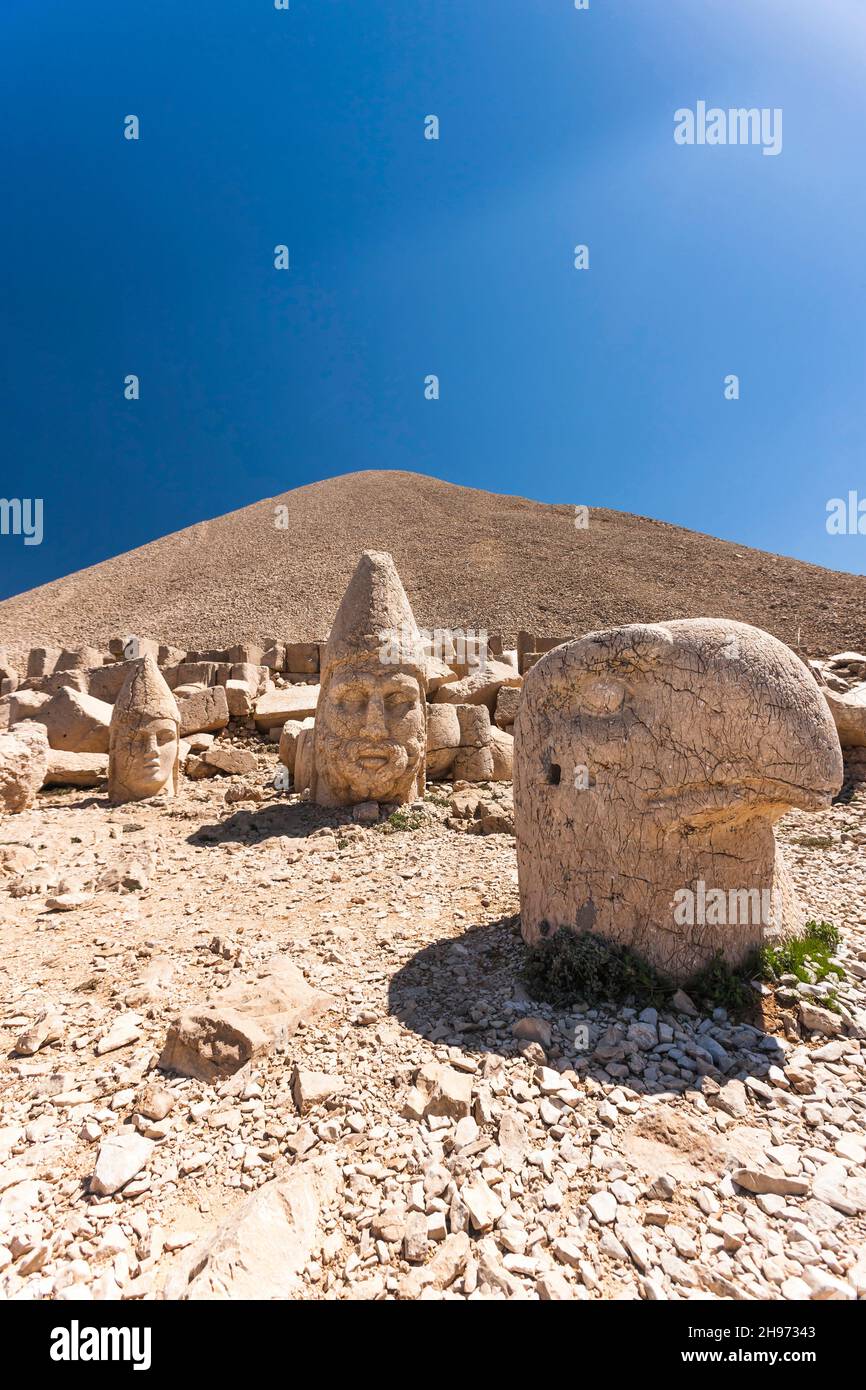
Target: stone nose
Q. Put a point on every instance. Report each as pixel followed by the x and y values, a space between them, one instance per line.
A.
pixel 374 724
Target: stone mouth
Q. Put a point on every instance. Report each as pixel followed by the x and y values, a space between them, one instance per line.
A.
pixel 372 757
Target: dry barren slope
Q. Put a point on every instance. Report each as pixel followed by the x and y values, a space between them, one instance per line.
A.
pixel 466 557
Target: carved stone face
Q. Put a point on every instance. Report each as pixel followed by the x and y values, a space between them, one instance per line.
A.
pixel 649 759
pixel 143 759
pixel 370 734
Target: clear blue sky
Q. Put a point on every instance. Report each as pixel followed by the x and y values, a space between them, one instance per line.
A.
pixel 411 257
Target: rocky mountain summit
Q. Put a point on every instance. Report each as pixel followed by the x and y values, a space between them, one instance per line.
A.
pixel 467 558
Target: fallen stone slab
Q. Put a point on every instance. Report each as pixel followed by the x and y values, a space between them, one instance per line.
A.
pixel 506 705
pixel 289 735
pixel 276 706
pixel 41 661
pixel 106 682
pixel 473 761
pixel 229 760
pixel 849 715
pixel 198 743
pixel 239 697
pixel 482 1203
pixel 204 712
pixel 443 739
pixel 217 1038
pixel 502 748
pixel 437 673
pixel 124 1031
pixel 25 704
pixel 481 687
pixel 262 1249
pixel 302 658
pixel 844 1194
pixel 78 658
pixel 75 769
pixel 76 722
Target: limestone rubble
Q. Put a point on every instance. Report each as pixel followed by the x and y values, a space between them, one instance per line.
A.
pixel 257 1047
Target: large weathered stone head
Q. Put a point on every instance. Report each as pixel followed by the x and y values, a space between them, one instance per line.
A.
pixel 651 763
pixel 144 736
pixel 371 719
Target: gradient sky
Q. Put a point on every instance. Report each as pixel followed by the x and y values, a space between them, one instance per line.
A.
pixel 411 257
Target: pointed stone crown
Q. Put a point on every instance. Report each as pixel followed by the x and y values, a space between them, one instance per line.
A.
pixel 373 611
pixel 145 695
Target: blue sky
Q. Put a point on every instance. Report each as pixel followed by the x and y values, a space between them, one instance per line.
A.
pixel 411 257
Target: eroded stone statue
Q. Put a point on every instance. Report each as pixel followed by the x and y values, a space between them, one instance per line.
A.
pixel 144 736
pixel 651 764
pixel 371 719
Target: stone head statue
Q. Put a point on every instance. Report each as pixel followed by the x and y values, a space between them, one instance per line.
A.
pixel 371 718
pixel 651 763
pixel 144 736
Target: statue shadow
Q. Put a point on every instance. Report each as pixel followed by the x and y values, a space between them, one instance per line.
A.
pixel 467 992
pixel 294 819
pixel 849 791
pixel 81 803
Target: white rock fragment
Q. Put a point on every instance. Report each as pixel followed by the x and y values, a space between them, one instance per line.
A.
pixel 119 1159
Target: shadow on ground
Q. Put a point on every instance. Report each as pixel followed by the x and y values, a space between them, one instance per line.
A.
pixel 295 819
pixel 467 992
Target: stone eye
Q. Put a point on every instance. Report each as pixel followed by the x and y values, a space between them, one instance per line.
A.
pixel 602 696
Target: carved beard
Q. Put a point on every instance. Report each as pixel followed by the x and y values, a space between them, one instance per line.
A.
pixel 351 780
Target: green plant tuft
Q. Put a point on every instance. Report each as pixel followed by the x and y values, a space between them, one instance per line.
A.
pixel 807 956
pixel 402 820
pixel 569 966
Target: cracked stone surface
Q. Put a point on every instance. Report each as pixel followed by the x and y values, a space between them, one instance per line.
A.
pixel 371 720
pixel 650 759
pixel 144 736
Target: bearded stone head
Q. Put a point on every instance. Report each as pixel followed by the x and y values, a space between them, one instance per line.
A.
pixel 144 737
pixel 652 759
pixel 371 718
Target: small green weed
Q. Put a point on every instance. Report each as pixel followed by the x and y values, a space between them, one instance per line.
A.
pixel 402 820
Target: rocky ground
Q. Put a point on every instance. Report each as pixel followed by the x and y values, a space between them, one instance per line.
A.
pixel 473 1142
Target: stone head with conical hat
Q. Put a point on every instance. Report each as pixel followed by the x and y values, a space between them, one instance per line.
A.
pixel 144 737
pixel 371 720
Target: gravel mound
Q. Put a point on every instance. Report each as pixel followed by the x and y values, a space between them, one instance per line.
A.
pixel 467 558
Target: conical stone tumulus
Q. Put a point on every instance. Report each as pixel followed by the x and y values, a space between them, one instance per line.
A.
pixel 144 736
pixel 371 719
